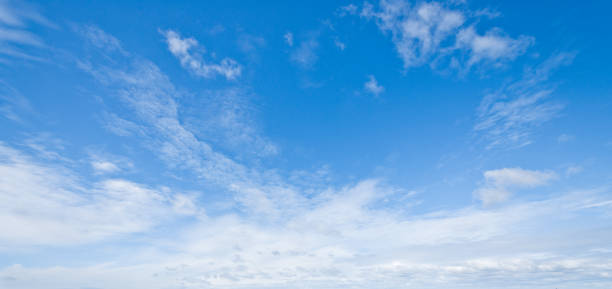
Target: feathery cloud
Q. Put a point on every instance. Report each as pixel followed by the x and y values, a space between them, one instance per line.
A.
pixel 189 53
pixel 508 116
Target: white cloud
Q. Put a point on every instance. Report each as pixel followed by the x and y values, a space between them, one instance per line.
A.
pixel 573 170
pixel 350 9
pixel 499 184
pixel 429 32
pixel 372 86
pixel 341 240
pixel 289 38
pixel 14 36
pixel 305 54
pixel 508 116
pixel 190 144
pixel 43 204
pixel 101 39
pixel 281 234
pixel 226 119
pixel 249 43
pixel 12 104
pixel 19 13
pixel 492 47
pixel 564 138
pixel 104 167
pixel 339 44
pixel 189 53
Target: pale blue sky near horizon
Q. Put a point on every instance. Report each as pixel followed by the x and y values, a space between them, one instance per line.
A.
pixel 241 144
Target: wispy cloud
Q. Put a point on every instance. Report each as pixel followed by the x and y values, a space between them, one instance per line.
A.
pixel 344 240
pixel 14 36
pixel 564 138
pixel 305 54
pixel 434 33
pixel 508 116
pixel 193 144
pixel 48 204
pixel 289 38
pixel 372 86
pixel 100 39
pixel 12 104
pixel 498 184
pixel 190 54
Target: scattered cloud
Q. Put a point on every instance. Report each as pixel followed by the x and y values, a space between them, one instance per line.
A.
pixel 100 39
pixel 339 44
pixel 342 240
pixel 350 9
pixel 102 167
pixel 226 119
pixel 199 145
pixel 190 54
pixel 564 138
pixel 51 205
pixel 494 47
pixel 216 29
pixel 289 38
pixel 499 184
pixel 104 163
pixel 15 39
pixel 305 54
pixel 13 105
pixel 508 116
pixel 573 170
pixel 249 43
pixel 372 86
pixel 434 33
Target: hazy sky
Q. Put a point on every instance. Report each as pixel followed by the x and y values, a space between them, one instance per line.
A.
pixel 253 144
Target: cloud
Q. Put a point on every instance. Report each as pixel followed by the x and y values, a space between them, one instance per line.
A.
pixel 104 167
pixel 289 38
pixel 433 33
pixel 339 44
pixel 189 53
pixel 350 9
pixel 573 170
pixel 193 145
pixel 305 54
pixel 226 119
pixel 47 204
pixel 279 233
pixel 493 47
pixel 499 184
pixel 104 163
pixel 100 39
pixel 564 138
pixel 15 39
pixel 343 240
pixel 13 105
pixel 372 86
pixel 249 43
pixel 508 116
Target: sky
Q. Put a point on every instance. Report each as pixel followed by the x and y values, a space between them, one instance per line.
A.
pixel 314 144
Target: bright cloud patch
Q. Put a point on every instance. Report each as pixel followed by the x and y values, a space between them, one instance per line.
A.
pixel 372 86
pixel 434 33
pixel 189 53
pixel 499 184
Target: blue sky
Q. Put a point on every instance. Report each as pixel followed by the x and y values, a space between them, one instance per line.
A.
pixel 240 144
